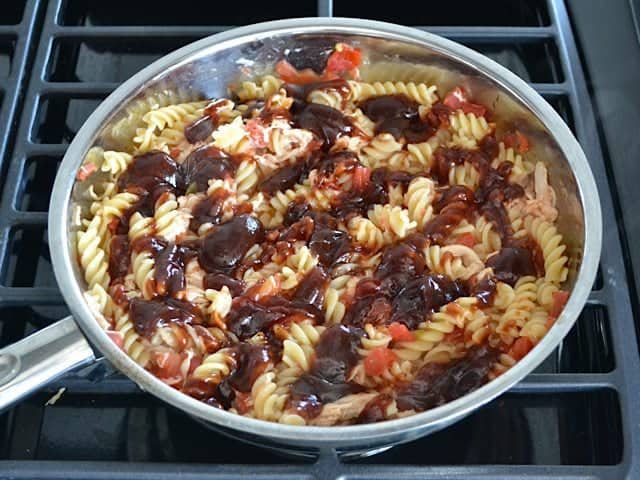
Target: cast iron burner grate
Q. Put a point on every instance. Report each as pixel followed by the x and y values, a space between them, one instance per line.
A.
pixel 576 417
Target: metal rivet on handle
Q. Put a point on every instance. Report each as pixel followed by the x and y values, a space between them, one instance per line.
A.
pixel 9 367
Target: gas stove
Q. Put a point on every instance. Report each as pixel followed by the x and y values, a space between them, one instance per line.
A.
pixel 577 416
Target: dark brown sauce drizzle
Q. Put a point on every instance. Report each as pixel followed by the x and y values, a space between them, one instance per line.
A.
pixel 225 245
pixel 398 115
pixel 251 361
pixel 204 164
pixel 169 265
pixel 208 210
pixel 283 178
pixel 199 130
pixel 436 384
pixel 326 381
pixel 325 122
pixel 511 263
pixel 147 315
pixel 154 172
pixel 218 280
pixel 118 257
pixel 202 128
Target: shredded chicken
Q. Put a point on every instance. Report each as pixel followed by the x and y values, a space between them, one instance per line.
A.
pixel 544 202
pixel 344 409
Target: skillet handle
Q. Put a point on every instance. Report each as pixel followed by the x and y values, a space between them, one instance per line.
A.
pixel 34 361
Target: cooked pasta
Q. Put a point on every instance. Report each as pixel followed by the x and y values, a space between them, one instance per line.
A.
pixel 310 254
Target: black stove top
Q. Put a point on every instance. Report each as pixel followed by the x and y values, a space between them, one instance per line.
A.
pixel 577 416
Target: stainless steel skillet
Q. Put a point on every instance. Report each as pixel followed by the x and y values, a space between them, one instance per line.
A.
pixel 202 70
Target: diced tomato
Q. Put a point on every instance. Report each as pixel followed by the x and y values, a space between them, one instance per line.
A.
pixel 256 133
pixel 361 177
pixel 455 98
pixel 521 347
pixel 289 74
pixel 517 140
pixel 378 360
pixel 344 59
pixel 85 171
pixel 167 364
pixel 400 333
pixel 476 109
pixel 559 301
pixel 466 239
pixel 116 337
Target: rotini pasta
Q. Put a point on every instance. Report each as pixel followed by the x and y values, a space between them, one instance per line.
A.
pixel 310 254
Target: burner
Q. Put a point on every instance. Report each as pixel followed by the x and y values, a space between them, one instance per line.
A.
pixel 576 416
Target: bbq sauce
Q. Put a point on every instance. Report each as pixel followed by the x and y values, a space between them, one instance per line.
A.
pixel 511 263
pixel 436 384
pixel 326 381
pixel 154 172
pixel 283 179
pixel 295 211
pixel 119 257
pixel 199 130
pixel 169 262
pixel 247 317
pixel 423 296
pixel 251 362
pixel 357 201
pixel 455 204
pixel 484 290
pixel 147 315
pixel 325 122
pixel 309 293
pixel 204 164
pixel 225 245
pixel 218 280
pixel 209 210
pixel 330 245
pixel 202 128
pixel 397 115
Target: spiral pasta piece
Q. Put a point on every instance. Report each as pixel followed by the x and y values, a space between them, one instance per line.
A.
pixel 519 310
pixel 433 331
pixel 366 233
pixel 220 302
pixel 260 90
pixel 550 241
pixel 268 400
pixel 133 343
pixel 333 307
pixel 394 222
pixel 329 97
pixel 379 152
pixel 215 367
pixel 92 257
pixel 420 92
pixel 418 200
pixel 468 126
pixel 143 266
